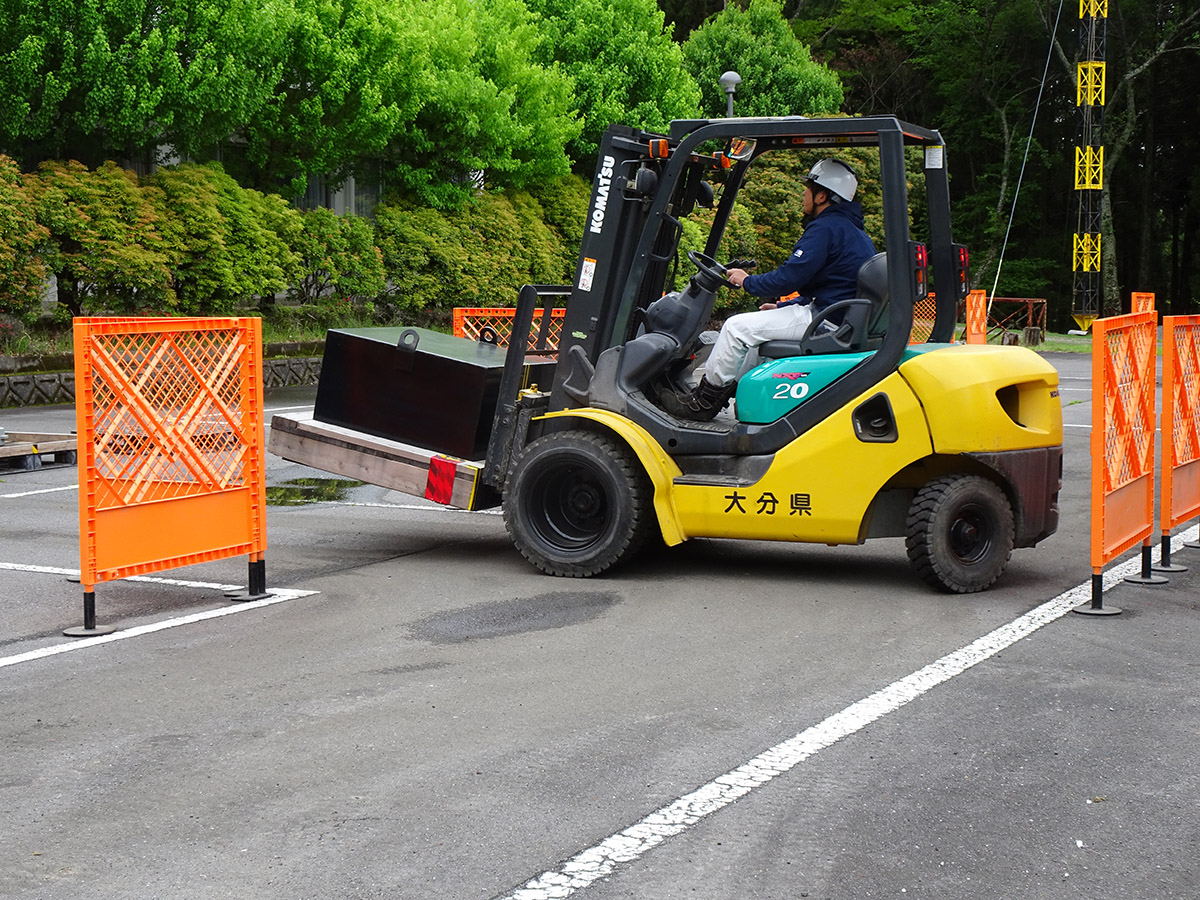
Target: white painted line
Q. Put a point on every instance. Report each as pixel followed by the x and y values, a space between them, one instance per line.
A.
pixel 69 487
pixel 602 859
pixel 277 596
pixel 275 409
pixel 494 511
pixel 74 573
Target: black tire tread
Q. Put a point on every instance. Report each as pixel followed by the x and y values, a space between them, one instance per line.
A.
pixel 919 537
pixel 643 526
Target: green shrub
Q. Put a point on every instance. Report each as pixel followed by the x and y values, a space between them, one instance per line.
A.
pixel 105 248
pixel 22 269
pixel 226 244
pixel 479 254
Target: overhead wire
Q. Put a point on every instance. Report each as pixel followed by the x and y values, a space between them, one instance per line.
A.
pixel 1028 143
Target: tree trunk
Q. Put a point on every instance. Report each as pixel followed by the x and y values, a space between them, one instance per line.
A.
pixel 1148 232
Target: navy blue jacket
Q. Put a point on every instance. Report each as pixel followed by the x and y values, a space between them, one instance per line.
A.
pixel 824 264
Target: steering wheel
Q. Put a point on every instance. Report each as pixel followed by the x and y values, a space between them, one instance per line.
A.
pixel 710 267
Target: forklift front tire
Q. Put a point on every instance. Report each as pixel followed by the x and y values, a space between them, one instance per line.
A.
pixel 577 502
pixel 960 533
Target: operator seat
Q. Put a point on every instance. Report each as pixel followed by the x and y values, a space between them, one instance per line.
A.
pixel 863 319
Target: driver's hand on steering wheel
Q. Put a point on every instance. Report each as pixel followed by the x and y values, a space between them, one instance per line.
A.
pixel 736 276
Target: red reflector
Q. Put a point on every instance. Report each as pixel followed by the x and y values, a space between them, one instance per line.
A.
pixel 439 486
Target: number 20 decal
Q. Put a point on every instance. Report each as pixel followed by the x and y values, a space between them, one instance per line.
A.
pixel 796 391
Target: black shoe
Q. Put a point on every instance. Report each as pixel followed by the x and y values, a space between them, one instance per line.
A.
pixel 701 404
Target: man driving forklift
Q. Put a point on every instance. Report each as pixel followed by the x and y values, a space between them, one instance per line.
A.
pixel 822 269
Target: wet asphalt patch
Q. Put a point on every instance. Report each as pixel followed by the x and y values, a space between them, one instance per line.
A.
pixel 503 618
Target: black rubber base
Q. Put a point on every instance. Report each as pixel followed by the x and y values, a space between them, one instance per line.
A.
pixel 84 631
pixel 1145 580
pixel 1168 567
pixel 244 596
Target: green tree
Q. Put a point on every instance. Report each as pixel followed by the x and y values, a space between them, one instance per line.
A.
pixel 92 80
pixel 626 68
pixel 779 76
pixel 684 16
pixel 490 113
pixel 343 90
pixel 22 270
pixel 985 75
pixel 105 248
pixel 1151 52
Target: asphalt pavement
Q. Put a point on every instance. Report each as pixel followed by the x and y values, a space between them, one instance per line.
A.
pixel 417 713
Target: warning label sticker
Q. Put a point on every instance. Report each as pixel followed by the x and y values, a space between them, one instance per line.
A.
pixel 587 272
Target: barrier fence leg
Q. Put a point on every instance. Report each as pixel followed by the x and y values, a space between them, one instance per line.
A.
pixel 1147 577
pixel 1164 563
pixel 256 583
pixel 1097 607
pixel 90 628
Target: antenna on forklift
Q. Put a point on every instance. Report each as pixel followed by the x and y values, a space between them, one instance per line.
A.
pixel 729 83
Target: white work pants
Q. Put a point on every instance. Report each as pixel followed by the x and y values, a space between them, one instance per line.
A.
pixel 742 333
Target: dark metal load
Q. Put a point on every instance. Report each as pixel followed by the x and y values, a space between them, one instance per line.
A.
pixel 416 386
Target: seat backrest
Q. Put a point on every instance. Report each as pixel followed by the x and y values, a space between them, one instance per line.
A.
pixel 873 284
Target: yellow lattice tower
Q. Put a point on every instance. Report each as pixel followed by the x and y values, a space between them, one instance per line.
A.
pixel 1089 168
pixel 1086 256
pixel 1090 88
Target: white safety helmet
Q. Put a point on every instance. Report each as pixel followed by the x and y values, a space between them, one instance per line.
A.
pixel 835 177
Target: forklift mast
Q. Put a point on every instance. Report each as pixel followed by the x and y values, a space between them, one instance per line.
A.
pixel 615 220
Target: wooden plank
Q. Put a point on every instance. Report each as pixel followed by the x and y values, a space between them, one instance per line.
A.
pixel 374 460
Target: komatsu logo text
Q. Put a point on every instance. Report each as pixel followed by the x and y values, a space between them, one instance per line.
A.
pixel 603 183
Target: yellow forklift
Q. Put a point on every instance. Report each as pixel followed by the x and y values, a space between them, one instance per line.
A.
pixel 849 433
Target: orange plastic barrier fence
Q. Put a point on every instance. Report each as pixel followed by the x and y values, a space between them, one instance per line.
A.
pixel 977 314
pixel 469 322
pixel 1141 302
pixel 1180 498
pixel 1123 424
pixel 924 316
pixel 171 452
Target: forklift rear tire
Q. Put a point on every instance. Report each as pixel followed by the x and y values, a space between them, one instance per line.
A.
pixel 576 503
pixel 960 533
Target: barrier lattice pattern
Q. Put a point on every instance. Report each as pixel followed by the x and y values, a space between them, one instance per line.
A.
pixel 1123 433
pixel 1129 404
pixel 169 412
pixel 1180 420
pixel 469 322
pixel 168 420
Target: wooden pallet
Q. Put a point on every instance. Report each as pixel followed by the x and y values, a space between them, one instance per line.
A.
pixel 27 451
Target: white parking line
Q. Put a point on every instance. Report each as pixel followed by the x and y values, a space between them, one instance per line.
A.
pixel 69 487
pixel 623 847
pixel 276 596
pixel 493 511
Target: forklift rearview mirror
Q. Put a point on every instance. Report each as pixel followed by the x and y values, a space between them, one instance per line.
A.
pixel 741 149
